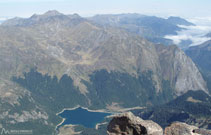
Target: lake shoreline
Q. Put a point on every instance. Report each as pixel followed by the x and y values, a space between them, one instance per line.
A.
pixel 101 110
pixel 78 106
pixel 112 113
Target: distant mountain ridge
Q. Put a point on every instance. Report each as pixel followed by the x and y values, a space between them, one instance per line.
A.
pixel 151 27
pixel 50 16
pixel 179 21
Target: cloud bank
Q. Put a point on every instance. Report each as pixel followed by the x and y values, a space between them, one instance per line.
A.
pixel 196 34
pixel 3 18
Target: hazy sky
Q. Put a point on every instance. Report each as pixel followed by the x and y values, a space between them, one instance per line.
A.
pixel 184 8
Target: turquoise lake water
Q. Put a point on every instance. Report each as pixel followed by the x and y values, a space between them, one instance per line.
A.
pixel 80 116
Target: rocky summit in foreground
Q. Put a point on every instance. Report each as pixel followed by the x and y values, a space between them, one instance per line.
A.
pixel 128 124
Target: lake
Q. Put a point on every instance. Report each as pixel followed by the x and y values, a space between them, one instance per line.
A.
pixel 81 116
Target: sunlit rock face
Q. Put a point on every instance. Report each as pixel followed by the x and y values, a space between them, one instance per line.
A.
pixel 128 124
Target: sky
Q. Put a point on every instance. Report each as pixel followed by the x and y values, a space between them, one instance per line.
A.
pixel 184 8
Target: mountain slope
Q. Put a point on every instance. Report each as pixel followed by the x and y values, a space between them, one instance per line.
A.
pixel 65 60
pixel 194 107
pixel 179 68
pixel 83 47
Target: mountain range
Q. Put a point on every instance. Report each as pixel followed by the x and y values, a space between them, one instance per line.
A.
pixel 54 61
pixel 150 27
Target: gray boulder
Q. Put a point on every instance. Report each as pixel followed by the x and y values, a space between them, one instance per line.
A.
pixel 128 124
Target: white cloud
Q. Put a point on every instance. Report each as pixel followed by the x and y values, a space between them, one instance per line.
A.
pixel 194 33
pixel 204 21
pixel 4 18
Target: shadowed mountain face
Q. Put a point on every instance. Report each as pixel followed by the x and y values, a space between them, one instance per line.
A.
pixel 208 35
pixel 201 55
pixel 60 61
pixel 151 27
pixel 194 107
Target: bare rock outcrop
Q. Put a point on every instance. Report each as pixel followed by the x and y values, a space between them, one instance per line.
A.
pixel 179 128
pixel 182 70
pixel 128 124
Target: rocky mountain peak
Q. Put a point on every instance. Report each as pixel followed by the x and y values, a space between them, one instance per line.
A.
pixel 52 13
pixel 128 124
pixel 73 16
pixel 179 21
pixel 182 70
